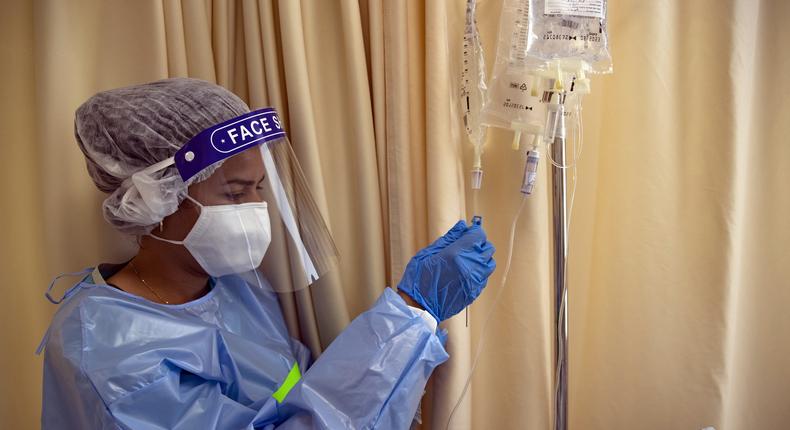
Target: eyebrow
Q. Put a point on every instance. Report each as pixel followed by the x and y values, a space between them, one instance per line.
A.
pixel 244 182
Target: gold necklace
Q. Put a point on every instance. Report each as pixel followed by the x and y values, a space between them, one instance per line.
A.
pixel 131 264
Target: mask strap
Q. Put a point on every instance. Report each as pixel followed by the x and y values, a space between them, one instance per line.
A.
pixel 174 242
pixel 177 242
pixel 191 199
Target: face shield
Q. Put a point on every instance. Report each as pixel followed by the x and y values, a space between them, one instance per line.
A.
pixel 250 200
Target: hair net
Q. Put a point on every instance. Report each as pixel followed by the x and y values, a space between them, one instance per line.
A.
pixel 124 132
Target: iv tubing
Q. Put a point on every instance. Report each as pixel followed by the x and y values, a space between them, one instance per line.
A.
pixel 502 285
pixel 503 282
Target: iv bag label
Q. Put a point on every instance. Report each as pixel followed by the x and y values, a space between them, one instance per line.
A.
pixel 513 98
pixel 588 8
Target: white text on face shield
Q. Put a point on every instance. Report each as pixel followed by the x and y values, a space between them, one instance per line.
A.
pixel 252 129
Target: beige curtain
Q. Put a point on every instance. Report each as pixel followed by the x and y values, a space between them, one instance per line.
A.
pixel 680 263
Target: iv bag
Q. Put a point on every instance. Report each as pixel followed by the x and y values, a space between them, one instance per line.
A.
pixel 569 29
pixel 513 99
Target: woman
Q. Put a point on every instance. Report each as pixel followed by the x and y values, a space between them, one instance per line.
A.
pixel 188 333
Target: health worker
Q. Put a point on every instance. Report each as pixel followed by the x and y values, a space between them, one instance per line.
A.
pixel 189 334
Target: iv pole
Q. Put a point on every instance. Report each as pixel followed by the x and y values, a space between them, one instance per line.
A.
pixel 560 250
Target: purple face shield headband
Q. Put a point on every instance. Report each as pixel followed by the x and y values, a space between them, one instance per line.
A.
pixel 227 139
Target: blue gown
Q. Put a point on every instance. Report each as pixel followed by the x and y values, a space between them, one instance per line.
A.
pixel 225 361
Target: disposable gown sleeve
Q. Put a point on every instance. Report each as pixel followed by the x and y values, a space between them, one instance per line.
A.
pixel 372 376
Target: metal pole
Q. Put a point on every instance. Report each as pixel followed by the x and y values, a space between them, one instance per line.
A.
pixel 559 219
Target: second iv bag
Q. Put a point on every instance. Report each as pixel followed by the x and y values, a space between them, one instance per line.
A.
pixel 569 30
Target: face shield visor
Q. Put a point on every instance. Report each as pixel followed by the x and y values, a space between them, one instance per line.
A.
pixel 248 205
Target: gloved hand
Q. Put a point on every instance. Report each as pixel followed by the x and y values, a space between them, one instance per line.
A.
pixel 449 274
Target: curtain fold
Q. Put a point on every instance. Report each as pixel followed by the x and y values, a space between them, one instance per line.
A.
pixel 679 259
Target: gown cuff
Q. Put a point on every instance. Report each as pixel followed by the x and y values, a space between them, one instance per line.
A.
pixel 426 316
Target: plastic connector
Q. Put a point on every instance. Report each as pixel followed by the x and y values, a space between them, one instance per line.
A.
pixel 530 172
pixel 516 139
pixel 477 178
pixel 520 128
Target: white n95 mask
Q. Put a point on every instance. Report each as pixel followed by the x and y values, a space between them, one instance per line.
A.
pixel 228 239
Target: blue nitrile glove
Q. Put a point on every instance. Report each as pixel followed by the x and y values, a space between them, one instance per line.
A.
pixel 448 275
